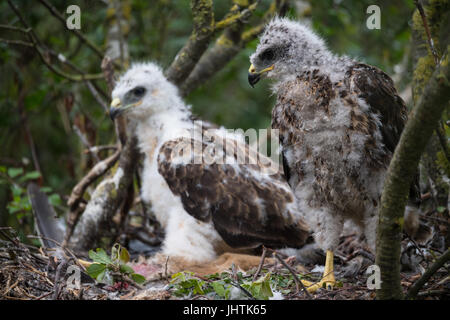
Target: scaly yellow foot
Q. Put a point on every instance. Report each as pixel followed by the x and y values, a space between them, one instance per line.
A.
pixel 327 280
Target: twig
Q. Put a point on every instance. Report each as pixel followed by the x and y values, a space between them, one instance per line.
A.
pixel 17 42
pixel 62 246
pixel 439 131
pixel 412 293
pixel 263 257
pixel 97 171
pixel 13 28
pixel 31 34
pixel 56 289
pixel 96 95
pixel 17 243
pixel 38 46
pixel 44 295
pixel 165 268
pixel 81 36
pixel 298 283
pixel 432 293
pixel 427 30
pixel 416 246
pixel 245 291
pixel 97 149
pixel 84 141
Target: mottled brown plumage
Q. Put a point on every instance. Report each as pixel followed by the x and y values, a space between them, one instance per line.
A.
pixel 339 121
pixel 246 211
pixel 209 198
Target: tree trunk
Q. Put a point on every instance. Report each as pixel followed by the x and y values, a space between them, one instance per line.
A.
pixel 418 130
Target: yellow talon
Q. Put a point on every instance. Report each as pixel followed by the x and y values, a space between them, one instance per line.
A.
pixel 328 281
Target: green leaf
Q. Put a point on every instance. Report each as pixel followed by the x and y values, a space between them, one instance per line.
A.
pixel 17 191
pixel 55 199
pixel 198 284
pixel 126 269
pixel 440 209
pixel 95 269
pixel 99 256
pixel 124 255
pixel 30 176
pixel 115 252
pixel 218 288
pixel 14 172
pixel 139 279
pixel 260 288
pixel 101 275
pixel 46 189
pixel 13 209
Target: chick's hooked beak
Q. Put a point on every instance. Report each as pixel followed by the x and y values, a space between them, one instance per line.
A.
pixel 117 109
pixel 254 76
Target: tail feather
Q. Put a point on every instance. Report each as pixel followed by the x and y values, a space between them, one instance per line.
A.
pixel 46 221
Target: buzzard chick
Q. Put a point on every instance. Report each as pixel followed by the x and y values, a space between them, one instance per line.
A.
pixel 339 121
pixel 207 201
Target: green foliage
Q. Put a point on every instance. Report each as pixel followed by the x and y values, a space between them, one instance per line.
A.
pixel 219 286
pixel 185 284
pixel 110 269
pixel 157 31
pixel 16 180
pixel 260 289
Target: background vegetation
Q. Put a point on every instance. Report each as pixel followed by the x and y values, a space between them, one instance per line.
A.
pixel 45 117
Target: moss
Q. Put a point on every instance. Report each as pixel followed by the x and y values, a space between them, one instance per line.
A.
pixel 113 192
pixel 224 41
pixel 110 12
pixel 442 163
pixel 126 10
pixel 227 21
pixel 242 3
pixel 401 222
pixel 422 73
pixel 436 12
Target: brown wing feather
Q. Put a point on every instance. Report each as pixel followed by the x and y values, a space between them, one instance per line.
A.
pixel 246 211
pixel 378 90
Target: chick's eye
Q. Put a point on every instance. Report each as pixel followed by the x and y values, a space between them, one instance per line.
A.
pixel 267 55
pixel 138 91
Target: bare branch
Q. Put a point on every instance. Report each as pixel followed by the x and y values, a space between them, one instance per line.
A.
pixel 82 37
pixel 97 171
pixel 418 130
pixel 226 47
pixel 427 31
pixel 108 72
pixel 106 200
pixel 13 28
pixel 186 59
pixel 17 42
pixel 235 15
pixel 43 52
pixel 412 293
pixel 261 263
